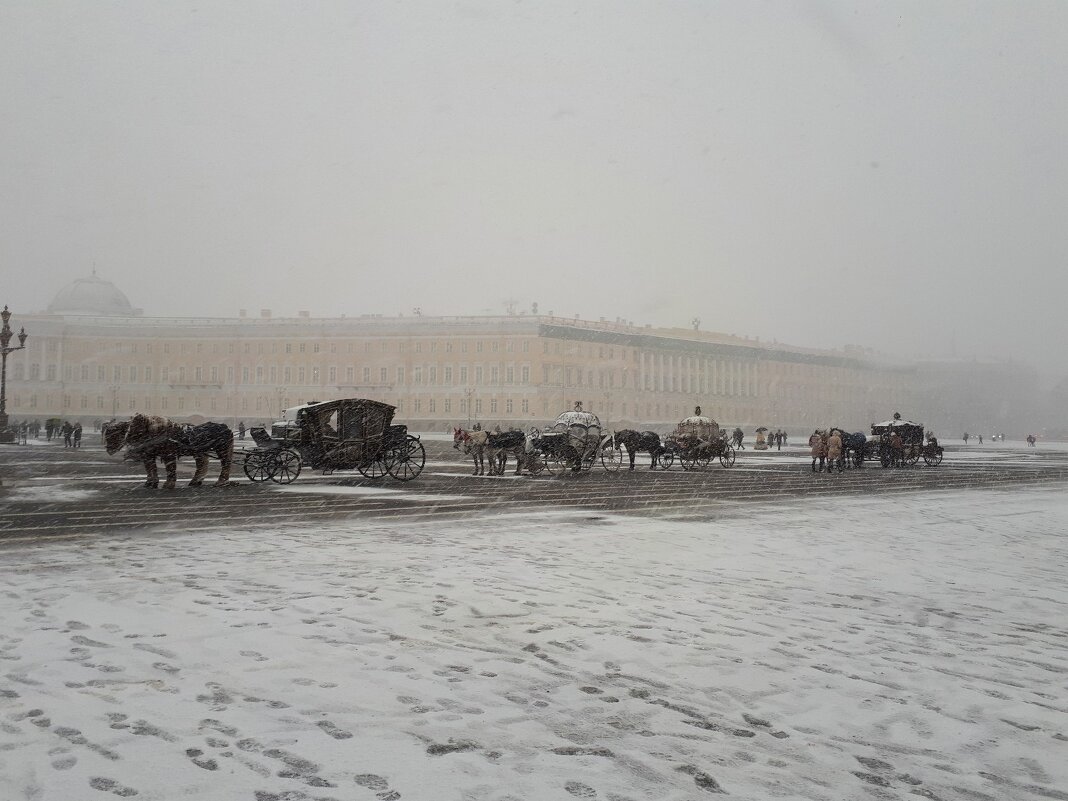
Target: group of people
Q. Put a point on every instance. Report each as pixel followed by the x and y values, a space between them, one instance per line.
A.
pixel 828 449
pixel 72 434
pixel 770 439
pixel 53 429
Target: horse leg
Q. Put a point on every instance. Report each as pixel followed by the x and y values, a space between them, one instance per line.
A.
pixel 151 476
pixel 226 459
pixel 201 460
pixel 518 462
pixel 632 452
pixel 170 461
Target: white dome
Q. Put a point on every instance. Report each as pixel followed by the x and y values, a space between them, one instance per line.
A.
pixel 92 295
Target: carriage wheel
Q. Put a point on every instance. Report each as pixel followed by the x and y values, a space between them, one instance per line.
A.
pixel 406 461
pixel 535 463
pixel 286 467
pixel 728 456
pixel 376 467
pixel 884 459
pixel 703 460
pixel 933 459
pixel 687 460
pixel 665 460
pixel 561 461
pixel 912 457
pixel 612 458
pixel 257 466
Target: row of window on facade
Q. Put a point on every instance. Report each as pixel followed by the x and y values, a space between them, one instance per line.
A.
pixel 261 404
pixel 304 376
pixel 370 346
pixel 444 407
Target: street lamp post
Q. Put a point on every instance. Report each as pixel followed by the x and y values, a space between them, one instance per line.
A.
pixel 7 436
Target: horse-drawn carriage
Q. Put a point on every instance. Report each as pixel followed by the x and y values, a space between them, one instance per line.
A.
pixel 576 441
pixel 915 443
pixel 351 434
pixel 696 441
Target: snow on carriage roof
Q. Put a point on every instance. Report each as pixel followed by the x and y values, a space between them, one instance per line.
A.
pixel 578 418
pixel 893 423
pixel 698 420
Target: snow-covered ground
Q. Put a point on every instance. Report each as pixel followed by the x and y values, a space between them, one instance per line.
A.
pixel 825 649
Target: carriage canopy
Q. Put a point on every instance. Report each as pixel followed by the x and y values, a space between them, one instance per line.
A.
pixel 910 432
pixel 698 426
pixel 351 419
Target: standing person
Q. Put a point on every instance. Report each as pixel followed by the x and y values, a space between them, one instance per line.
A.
pixel 77 435
pixel 241 430
pixel 965 437
pixel 66 430
pixel 739 435
pixel 897 450
pixel 834 452
pixel 980 439
pixel 816 446
pixel 778 440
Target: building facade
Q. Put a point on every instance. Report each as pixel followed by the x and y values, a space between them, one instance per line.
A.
pixel 92 356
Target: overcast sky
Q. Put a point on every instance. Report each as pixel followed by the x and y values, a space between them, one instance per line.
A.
pixel 891 175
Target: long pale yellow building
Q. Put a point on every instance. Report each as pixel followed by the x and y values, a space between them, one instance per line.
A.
pixel 91 355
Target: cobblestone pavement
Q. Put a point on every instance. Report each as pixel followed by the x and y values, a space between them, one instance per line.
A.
pixel 52 492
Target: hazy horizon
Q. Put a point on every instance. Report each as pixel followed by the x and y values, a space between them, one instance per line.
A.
pixel 888 175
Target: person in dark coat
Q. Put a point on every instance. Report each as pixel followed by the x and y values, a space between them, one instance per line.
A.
pixel 241 430
pixel 77 435
pixel 66 430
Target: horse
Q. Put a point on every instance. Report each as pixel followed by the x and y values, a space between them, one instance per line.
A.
pixel 151 438
pixel 635 441
pixel 853 448
pixel 499 445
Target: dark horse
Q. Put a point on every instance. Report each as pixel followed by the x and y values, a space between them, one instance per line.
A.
pixel 634 441
pixel 151 438
pixel 853 448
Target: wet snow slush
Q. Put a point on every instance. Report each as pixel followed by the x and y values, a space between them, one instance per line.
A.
pixel 759 633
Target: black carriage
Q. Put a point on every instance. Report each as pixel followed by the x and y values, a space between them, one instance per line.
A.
pixel 916 443
pixel 574 442
pixel 351 434
pixel 695 442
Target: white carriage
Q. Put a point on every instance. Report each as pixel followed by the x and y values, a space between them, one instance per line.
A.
pixel 576 441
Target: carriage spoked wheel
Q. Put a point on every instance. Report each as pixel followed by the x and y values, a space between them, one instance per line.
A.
pixel 884 459
pixel 535 463
pixel 687 460
pixel 612 458
pixel 911 458
pixel 257 466
pixel 933 459
pixel 728 456
pixel 285 467
pixel 665 460
pixel 561 461
pixel 406 460
pixel 702 461
pixel 374 468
